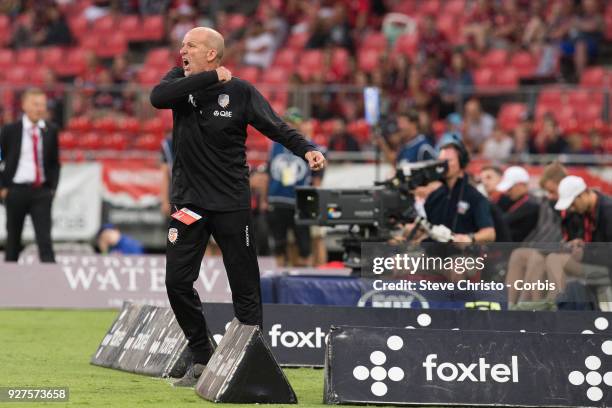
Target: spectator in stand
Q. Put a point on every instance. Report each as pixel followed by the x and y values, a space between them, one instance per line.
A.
pixel 331 28
pixel 596 142
pixel 121 72
pixel 92 71
pixel 426 127
pixel 521 142
pixel 98 9
pixel 57 31
pixel 509 24
pixel 521 211
pixel 152 7
pixel 259 46
pixel 456 86
pixel 549 140
pixel 341 140
pixel 479 23
pixel 528 264
pixel 490 177
pixel 413 145
pixel 586 35
pixel 183 20
pixel 432 42
pixel 107 97
pixel 454 123
pixel 111 240
pixel 479 125
pixel 25 29
pixel 498 147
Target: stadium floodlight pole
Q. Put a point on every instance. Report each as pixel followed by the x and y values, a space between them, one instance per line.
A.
pixel 371 95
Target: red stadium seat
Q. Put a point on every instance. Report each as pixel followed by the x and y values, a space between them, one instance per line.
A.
pixel 113 45
pixel 130 25
pixel 510 114
pixel 18 76
pixel 149 77
pixel 525 63
pixel 105 124
pixel 483 78
pixel 285 58
pixel 114 141
pixel 152 29
pixel 408 7
pixel 311 61
pixel 369 60
pixel 74 63
pixel 148 141
pixel 430 7
pixel 27 57
pixel 129 125
pixel 448 25
pixel 340 63
pixel 275 76
pixel 590 112
pixel 495 59
pixel 360 129
pixel 79 26
pixel 38 75
pixel 454 7
pixel 297 41
pixel 104 26
pixel 551 97
pixel 374 40
pixel 67 140
pixel 154 125
pixel 7 58
pixel 320 139
pixel 279 107
pixel 594 77
pixel 52 56
pixel 80 124
pixel 90 141
pixel 507 79
pixel 407 44
pixel 236 22
pixel 158 57
pixel 249 74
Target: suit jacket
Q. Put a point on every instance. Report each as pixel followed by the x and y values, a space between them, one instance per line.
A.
pixel 10 152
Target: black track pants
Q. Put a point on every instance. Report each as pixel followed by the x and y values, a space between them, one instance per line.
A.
pixel 233 231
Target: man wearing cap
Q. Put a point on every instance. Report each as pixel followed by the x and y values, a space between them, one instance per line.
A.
pixel 597 211
pixel 286 171
pixel 521 210
pixel 457 204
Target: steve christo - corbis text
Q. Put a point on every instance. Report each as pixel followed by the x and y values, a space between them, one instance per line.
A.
pixel 461 285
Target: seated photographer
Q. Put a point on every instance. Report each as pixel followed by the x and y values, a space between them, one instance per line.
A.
pixel 597 211
pixel 457 204
pixel 528 263
pixel 522 210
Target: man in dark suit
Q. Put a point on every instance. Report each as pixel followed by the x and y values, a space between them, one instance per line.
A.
pixel 29 172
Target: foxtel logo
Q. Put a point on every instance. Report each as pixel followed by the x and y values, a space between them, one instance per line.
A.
pixel 290 339
pixel 475 372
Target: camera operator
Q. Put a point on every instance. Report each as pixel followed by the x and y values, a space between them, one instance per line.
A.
pixel 457 204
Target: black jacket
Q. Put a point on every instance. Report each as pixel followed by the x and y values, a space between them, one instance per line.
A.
pixel 10 152
pixel 598 252
pixel 210 118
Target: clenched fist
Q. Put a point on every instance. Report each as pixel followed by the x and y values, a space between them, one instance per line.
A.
pixel 224 74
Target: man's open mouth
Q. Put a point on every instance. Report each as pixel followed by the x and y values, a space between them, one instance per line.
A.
pixel 185 63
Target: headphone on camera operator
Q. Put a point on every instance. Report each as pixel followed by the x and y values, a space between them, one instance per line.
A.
pixel 456 211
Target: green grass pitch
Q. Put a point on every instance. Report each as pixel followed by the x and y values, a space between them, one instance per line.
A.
pixel 52 348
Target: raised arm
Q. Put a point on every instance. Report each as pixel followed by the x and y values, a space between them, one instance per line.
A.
pixel 263 118
pixel 175 87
